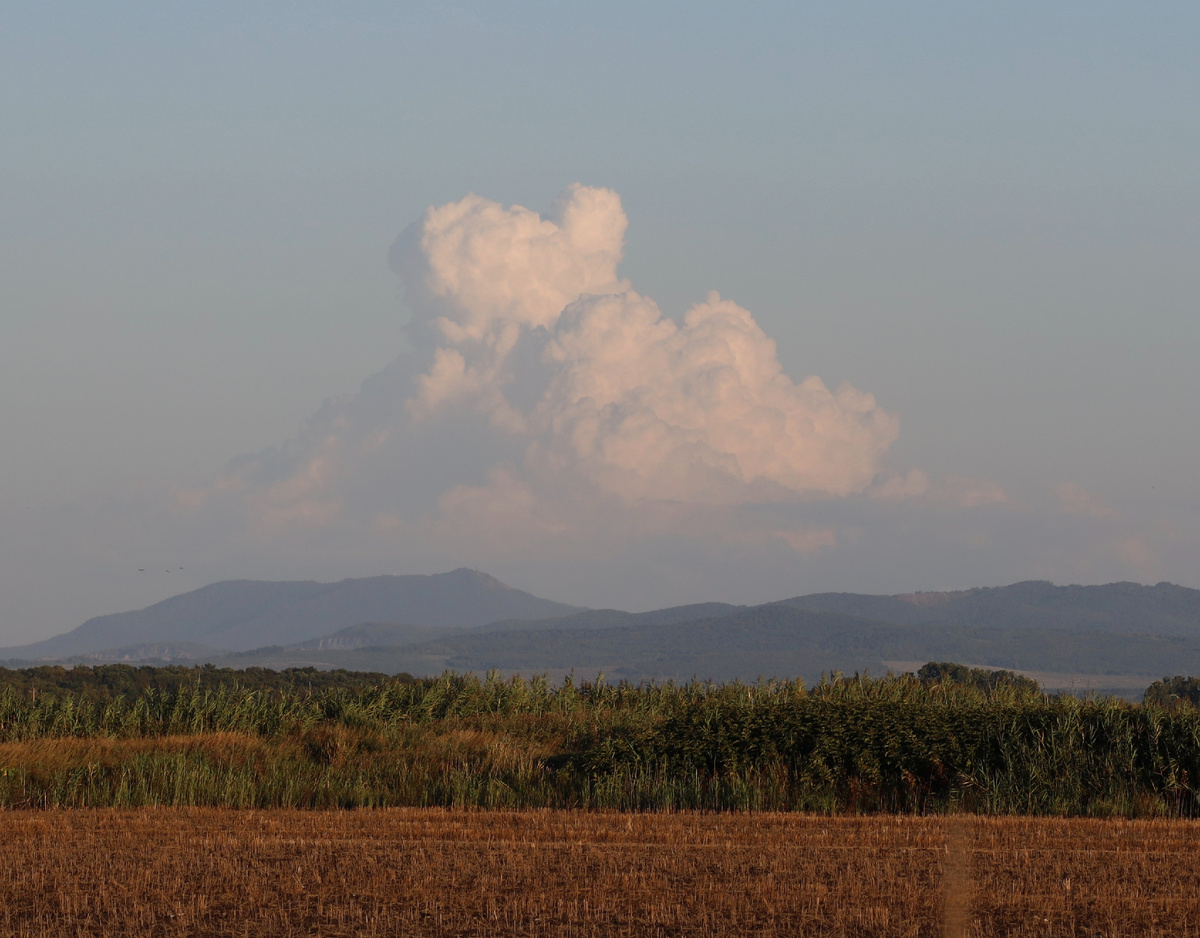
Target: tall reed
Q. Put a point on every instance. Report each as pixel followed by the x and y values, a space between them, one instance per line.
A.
pixel 844 745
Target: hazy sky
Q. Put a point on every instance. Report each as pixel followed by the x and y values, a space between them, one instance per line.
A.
pixel 977 225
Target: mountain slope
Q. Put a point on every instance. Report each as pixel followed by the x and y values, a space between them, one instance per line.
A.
pixel 241 614
pixel 192 616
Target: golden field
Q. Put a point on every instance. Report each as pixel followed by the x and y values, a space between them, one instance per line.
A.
pixel 409 871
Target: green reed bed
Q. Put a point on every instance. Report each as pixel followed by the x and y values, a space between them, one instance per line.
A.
pixel 847 745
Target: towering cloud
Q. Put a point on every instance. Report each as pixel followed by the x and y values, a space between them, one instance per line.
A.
pixel 536 331
pixel 544 394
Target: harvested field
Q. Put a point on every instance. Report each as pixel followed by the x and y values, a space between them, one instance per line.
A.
pixel 453 872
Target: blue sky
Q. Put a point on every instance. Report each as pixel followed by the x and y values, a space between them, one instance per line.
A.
pixel 986 216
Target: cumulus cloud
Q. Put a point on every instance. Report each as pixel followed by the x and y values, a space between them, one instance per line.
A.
pixel 530 311
pixel 544 399
pixel 481 276
pixel 697 411
pixel 491 266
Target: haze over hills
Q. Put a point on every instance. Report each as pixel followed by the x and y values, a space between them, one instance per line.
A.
pixel 778 640
pixel 372 635
pixel 613 618
pixel 775 640
pixel 1116 637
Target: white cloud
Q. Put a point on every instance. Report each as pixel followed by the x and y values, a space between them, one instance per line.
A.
pixel 481 276
pixel 487 266
pixel 617 393
pixel 548 409
pixel 699 411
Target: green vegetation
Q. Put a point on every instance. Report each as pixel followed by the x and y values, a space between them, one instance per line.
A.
pixel 892 744
pixel 107 681
pixel 1172 692
pixel 979 678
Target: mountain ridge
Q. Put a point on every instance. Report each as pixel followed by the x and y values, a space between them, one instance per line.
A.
pixel 238 615
pixel 467 620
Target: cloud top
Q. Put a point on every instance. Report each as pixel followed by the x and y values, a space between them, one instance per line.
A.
pixel 485 266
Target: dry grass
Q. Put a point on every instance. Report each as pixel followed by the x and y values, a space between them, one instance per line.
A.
pixel 56 755
pixel 436 872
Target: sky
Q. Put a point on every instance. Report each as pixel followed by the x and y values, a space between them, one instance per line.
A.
pixel 626 304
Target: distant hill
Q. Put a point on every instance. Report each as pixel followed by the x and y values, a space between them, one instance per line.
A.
pixel 778 640
pixel 1129 608
pixel 1117 636
pixel 236 615
pixel 775 640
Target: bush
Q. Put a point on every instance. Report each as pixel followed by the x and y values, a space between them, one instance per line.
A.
pixel 1173 692
pixel 980 678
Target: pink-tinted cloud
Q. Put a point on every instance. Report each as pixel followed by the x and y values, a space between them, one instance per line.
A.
pixel 546 406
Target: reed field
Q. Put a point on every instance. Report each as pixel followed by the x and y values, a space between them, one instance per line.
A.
pixel 897 745
pixel 434 872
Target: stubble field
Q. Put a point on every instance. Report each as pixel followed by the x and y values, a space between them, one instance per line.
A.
pixel 524 873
